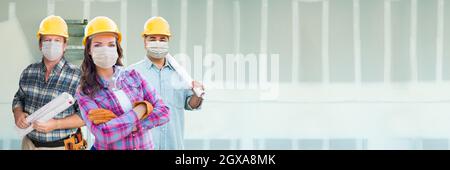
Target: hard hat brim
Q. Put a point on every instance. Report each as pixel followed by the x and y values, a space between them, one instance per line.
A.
pixel 118 36
pixel 146 34
pixel 43 34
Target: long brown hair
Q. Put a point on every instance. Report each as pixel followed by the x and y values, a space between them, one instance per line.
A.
pixel 88 83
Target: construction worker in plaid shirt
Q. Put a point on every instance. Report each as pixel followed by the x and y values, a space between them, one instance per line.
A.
pixel 43 81
pixel 118 106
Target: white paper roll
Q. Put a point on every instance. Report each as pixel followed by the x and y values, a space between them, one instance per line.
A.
pixel 184 75
pixel 48 111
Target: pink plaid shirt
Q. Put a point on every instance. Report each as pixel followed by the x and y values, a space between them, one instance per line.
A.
pixel 118 133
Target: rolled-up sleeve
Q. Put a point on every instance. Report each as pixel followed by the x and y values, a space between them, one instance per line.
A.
pixel 189 95
pixel 19 97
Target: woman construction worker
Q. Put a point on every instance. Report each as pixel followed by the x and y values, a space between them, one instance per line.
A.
pixel 118 106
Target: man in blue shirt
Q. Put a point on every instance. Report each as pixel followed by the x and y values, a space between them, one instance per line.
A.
pixel 158 72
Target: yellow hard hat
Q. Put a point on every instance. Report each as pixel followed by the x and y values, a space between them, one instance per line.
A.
pixel 156 25
pixel 101 24
pixel 53 25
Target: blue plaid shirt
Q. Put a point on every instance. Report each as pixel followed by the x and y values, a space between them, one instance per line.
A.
pixel 34 92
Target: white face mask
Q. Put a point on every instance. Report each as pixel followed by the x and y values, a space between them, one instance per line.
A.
pixel 52 50
pixel 157 49
pixel 104 57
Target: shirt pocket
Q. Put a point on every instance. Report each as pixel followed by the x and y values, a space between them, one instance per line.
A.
pixel 134 92
pixel 178 99
pixel 55 92
pixel 103 101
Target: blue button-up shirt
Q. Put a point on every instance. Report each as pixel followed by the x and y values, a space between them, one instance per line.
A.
pixel 166 82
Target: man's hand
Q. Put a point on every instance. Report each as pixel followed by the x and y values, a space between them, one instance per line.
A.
pixel 195 100
pixel 46 127
pixel 20 119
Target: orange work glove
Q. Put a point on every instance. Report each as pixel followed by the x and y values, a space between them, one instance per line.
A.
pixel 99 116
pixel 148 105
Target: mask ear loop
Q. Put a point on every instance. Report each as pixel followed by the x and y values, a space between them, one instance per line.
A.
pixel 114 80
pixel 116 75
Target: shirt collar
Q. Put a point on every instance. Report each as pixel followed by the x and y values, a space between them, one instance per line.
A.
pixel 105 83
pixel 58 67
pixel 149 64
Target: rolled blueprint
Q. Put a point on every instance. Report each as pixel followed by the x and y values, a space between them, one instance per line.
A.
pixel 185 76
pixel 48 111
